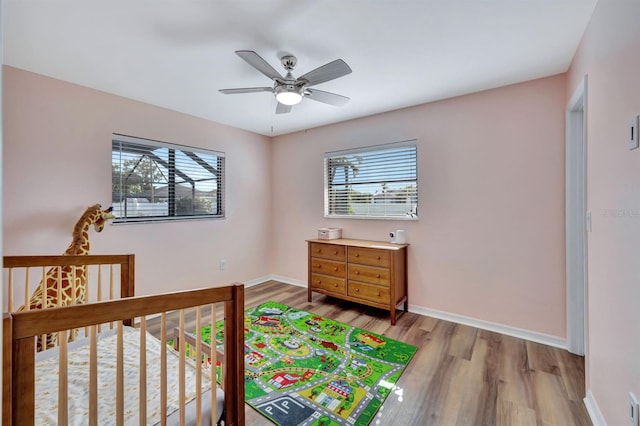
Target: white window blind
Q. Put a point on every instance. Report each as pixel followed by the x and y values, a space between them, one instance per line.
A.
pixel 376 182
pixel 154 180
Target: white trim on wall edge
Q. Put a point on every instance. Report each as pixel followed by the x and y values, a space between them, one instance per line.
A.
pixel 520 333
pixel 271 277
pixel 593 410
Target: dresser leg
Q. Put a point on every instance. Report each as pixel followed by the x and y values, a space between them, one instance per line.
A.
pixel 393 315
pixel 309 295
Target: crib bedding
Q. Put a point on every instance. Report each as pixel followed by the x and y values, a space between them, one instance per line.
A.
pixel 46 382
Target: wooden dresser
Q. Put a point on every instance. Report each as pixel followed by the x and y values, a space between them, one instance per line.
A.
pixel 369 272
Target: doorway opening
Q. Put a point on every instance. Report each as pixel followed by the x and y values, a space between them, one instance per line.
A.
pixel 577 220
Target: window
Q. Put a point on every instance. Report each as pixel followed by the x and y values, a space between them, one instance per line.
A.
pixel 376 182
pixel 159 181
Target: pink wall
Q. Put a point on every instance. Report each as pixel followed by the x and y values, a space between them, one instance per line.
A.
pixel 610 55
pixel 57 145
pixel 490 240
pixel 489 243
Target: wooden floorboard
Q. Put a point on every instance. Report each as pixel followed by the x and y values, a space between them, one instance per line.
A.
pixel 460 375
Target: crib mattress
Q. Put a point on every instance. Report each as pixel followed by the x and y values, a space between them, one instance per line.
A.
pixel 46 382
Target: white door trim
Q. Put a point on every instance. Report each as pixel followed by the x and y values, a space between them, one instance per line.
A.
pixel 576 220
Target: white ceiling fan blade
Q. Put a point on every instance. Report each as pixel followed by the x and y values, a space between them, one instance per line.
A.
pixel 245 90
pixel 282 108
pixel 326 97
pixel 327 72
pixel 258 63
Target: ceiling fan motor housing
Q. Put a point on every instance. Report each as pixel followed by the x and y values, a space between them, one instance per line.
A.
pixel 289 62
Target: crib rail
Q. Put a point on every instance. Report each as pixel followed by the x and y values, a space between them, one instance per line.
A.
pixel 21 328
pixel 40 282
pixel 106 276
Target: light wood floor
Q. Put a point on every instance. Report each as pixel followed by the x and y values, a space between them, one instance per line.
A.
pixel 460 375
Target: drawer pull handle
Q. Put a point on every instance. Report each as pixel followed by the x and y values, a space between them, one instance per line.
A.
pixel 318 281
pixel 378 276
pixel 318 250
pixel 318 265
pixel 335 252
pixel 378 294
pixel 357 272
pixel 378 257
pixel 335 285
pixel 335 269
pixel 357 290
pixel 357 254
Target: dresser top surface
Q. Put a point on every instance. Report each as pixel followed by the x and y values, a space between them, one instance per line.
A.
pixel 361 243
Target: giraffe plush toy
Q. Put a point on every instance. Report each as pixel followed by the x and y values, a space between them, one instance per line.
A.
pixel 66 275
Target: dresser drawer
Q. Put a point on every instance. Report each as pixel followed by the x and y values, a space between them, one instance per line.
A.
pixel 328 251
pixel 370 292
pixel 369 274
pixel 327 283
pixel 369 256
pixel 328 267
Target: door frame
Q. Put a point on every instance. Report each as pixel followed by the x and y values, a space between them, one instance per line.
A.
pixel 577 221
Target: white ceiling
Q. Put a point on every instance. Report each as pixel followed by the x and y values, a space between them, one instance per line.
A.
pixel 177 54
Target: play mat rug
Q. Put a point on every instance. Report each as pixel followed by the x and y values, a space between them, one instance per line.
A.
pixel 303 369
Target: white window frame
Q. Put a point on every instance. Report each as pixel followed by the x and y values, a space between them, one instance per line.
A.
pixel 186 165
pixel 372 174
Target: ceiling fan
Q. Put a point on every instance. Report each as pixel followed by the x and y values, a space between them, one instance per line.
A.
pixel 288 90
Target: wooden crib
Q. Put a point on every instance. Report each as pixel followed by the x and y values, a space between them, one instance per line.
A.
pixel 113 331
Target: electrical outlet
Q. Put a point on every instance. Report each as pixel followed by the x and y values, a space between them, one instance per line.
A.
pixel 223 264
pixel 633 410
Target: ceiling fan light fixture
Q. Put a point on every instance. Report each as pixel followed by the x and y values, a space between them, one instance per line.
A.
pixel 288 96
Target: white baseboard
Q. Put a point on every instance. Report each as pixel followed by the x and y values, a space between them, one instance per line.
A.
pixel 271 277
pixel 520 333
pixel 256 281
pixel 533 336
pixel 593 410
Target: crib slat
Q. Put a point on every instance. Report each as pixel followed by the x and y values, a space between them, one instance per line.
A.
pixel 198 367
pixel 73 286
pixel 44 287
pixel 10 291
pixel 99 291
pixel 63 413
pixel 143 371
pixel 86 294
pixel 181 382
pixel 27 292
pixel 59 299
pixel 110 282
pixel 110 289
pixel 93 377
pixel 58 289
pixel 163 369
pixel 120 378
pixel 87 287
pixel 72 336
pixel 44 302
